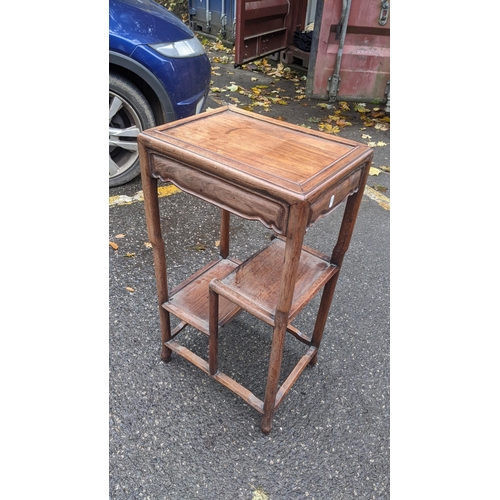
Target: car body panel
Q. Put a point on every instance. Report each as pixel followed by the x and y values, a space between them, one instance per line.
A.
pixel 130 25
pixel 174 87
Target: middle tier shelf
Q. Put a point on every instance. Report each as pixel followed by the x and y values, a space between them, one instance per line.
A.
pixel 254 285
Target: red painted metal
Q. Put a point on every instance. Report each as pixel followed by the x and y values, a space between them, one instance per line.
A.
pixel 266 27
pixel 365 65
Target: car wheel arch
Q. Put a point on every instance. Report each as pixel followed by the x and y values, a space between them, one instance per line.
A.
pixel 146 82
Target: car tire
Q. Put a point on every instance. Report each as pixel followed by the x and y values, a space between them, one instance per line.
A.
pixel 129 114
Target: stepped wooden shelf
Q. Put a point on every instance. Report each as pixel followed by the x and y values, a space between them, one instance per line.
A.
pixel 285 176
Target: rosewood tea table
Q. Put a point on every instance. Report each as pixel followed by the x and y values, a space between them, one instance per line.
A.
pixel 285 176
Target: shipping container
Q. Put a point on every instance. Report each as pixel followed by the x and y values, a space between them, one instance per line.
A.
pixel 348 58
pixel 213 17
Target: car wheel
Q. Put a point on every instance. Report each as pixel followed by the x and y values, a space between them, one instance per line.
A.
pixel 129 114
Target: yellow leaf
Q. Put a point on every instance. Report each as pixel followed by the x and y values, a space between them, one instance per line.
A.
pixel 232 88
pixel 343 123
pixel 380 143
pixel 385 169
pixel 361 108
pixel 147 244
pixel 326 127
pixel 130 254
pixel 113 245
pixel 374 171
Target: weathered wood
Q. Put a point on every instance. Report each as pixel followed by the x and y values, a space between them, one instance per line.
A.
pixel 343 240
pixel 255 284
pixel 286 177
pixel 213 340
pixel 150 190
pixel 294 375
pixel 295 236
pixel 224 233
pixel 241 391
pixel 189 301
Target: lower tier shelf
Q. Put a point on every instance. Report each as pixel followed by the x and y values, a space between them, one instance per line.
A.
pixel 189 300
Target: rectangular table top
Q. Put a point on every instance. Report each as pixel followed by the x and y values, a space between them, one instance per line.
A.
pixel 284 161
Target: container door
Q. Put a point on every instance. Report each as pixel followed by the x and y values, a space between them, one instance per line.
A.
pixel 264 27
pixel 356 68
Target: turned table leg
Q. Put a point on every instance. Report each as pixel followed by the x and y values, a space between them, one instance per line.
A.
pixel 150 190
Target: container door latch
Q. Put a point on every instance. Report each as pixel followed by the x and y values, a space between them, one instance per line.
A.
pixel 384 12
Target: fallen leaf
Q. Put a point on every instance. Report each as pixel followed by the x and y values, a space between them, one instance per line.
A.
pixel 217 243
pixel 130 254
pixel 232 88
pixel 385 169
pixel 380 143
pixel 113 245
pixel 147 244
pixel 120 236
pixel 374 171
pixel 129 289
pixel 381 189
pixel 361 108
pixel 198 247
pixel 326 127
pixel 343 123
pixel 366 136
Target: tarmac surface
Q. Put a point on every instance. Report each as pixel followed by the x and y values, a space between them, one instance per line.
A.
pixel 176 434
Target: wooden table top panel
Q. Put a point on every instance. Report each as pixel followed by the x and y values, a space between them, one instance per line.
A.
pixel 284 155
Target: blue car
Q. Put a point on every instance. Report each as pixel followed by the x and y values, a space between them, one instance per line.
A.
pixel 158 72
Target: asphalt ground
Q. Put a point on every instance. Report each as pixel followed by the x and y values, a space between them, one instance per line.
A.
pixel 174 433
